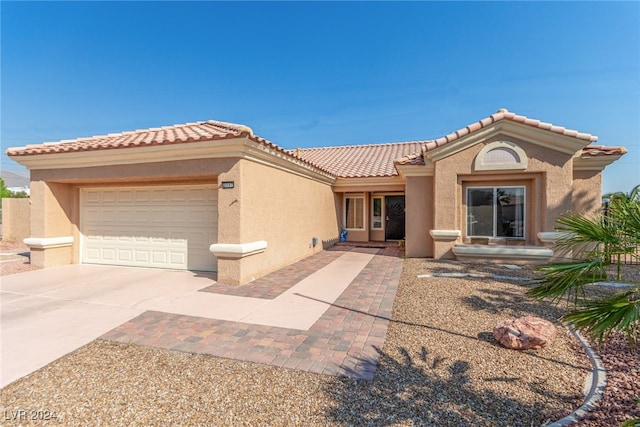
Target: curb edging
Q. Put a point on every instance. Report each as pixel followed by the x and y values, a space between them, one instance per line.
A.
pixel 596 389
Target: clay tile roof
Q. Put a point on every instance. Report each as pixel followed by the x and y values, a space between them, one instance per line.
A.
pixel 359 161
pixel 588 151
pixel 601 150
pixel 504 114
pixel 411 159
pixel 184 133
pixel 175 134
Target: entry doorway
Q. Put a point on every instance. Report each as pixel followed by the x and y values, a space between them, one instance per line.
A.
pixel 394 220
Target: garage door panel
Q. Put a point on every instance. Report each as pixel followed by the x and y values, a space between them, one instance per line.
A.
pixel 108 196
pixel 125 196
pixel 92 254
pixel 166 227
pixel 141 256
pixel 108 254
pixel 177 257
pixel 124 255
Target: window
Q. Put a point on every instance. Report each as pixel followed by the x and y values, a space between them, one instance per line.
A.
pixel 495 212
pixel 501 155
pixel 354 212
pixel 376 213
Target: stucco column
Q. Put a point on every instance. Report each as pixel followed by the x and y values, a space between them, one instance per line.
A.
pixel 229 223
pixel 445 196
pixel 419 207
pixel 52 232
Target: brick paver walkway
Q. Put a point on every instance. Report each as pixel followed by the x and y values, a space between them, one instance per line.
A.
pixel 273 284
pixel 342 342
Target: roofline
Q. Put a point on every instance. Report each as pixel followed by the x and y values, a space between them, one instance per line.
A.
pixel 377 144
pixel 243 147
pixel 244 131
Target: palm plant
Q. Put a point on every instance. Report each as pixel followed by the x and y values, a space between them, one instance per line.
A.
pixel 596 243
pixel 634 194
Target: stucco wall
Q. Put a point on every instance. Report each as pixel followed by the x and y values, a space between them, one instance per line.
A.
pixel 587 191
pixel 266 203
pixel 52 215
pixel 547 178
pixel 284 209
pixel 16 219
pixel 419 207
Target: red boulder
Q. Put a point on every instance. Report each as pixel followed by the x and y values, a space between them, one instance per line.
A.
pixel 525 333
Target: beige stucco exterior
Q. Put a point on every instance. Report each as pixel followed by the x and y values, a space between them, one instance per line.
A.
pixel 246 213
pixel 547 178
pixel 16 222
pixel 587 191
pixel 284 209
pixel 419 216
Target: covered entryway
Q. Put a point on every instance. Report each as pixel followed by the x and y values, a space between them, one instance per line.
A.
pixel 167 227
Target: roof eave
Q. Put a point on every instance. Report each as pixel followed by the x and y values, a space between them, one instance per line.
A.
pixel 408 170
pixel 594 163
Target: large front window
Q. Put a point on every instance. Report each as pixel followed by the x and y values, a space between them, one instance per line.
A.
pixel 354 213
pixel 495 212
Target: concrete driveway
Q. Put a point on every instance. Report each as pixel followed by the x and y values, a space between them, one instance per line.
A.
pixel 48 313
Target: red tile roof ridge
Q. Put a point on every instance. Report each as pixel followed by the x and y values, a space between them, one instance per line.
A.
pixel 504 114
pixel 374 144
pixel 233 128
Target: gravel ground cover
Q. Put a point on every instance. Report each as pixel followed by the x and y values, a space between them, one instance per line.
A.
pixel 439 366
pixel 621 399
pixel 14 258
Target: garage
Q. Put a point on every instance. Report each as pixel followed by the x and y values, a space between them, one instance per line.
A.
pixel 168 227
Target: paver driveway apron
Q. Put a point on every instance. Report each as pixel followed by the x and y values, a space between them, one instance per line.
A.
pixel 51 312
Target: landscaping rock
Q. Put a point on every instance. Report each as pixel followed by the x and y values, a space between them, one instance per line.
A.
pixel 525 333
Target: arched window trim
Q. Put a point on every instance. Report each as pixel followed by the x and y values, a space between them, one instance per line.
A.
pixel 479 164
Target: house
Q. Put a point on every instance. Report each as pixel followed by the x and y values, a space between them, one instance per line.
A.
pixel 214 196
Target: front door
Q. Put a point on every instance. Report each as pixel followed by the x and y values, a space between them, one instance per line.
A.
pixel 394 221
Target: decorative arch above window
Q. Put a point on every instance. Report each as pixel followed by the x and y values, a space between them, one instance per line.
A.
pixel 501 155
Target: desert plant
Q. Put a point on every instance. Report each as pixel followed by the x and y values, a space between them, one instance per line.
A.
pixel 596 243
pixel 634 194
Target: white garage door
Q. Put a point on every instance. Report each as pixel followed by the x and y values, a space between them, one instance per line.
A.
pixel 164 227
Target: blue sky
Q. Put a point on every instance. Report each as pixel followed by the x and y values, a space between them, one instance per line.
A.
pixel 314 74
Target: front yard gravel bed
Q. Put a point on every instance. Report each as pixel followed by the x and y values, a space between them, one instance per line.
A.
pixel 439 366
pixel 621 398
pixel 14 258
